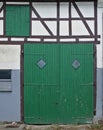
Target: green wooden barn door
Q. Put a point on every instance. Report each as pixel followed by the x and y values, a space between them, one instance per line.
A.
pixel 41 82
pixel 58 83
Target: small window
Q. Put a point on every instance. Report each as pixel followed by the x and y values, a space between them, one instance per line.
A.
pixel 5 74
pixel 5 81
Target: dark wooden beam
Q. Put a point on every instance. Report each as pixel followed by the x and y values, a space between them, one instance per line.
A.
pixel 46 0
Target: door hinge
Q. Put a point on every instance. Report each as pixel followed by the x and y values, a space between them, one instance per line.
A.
pixel 22 51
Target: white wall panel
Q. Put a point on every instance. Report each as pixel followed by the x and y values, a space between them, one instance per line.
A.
pixel 18 3
pixel 1 27
pixel 74 12
pixel 100 32
pixel 9 56
pixel 66 40
pixel 79 28
pixel 17 39
pixel 50 40
pixel 52 26
pixel 46 9
pixel 1 14
pixel 87 8
pixel 64 29
pixel 91 25
pixel 87 39
pixel 64 11
pixel 100 3
pixel 33 39
pixel 3 39
pixel 38 28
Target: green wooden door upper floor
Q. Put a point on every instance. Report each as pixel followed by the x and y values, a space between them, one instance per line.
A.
pixel 17 20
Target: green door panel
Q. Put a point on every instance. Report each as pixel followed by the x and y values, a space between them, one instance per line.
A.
pixel 58 83
pixel 41 84
pixel 76 96
pixel 17 20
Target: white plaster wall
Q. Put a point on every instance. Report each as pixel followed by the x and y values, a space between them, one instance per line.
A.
pixel 64 29
pixel 64 10
pixel 10 100
pixel 9 56
pixel 79 28
pixel 47 10
pixel 100 3
pixel 100 32
pixel 87 10
pixel 85 7
pixel 99 102
pixel 1 27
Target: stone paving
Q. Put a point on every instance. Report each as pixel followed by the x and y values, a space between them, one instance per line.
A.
pixel 43 127
pixel 18 126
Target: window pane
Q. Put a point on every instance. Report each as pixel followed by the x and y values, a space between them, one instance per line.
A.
pixel 5 74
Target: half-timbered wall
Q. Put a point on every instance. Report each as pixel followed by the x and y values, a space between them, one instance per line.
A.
pixel 64 22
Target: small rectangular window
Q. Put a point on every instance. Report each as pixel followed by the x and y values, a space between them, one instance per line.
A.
pixel 5 74
pixel 5 81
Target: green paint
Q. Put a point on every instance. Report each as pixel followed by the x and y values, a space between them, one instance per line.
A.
pixel 17 20
pixel 58 93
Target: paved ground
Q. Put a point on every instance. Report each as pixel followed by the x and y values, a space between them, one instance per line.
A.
pixel 15 126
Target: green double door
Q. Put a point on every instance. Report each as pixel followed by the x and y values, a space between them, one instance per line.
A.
pixel 58 83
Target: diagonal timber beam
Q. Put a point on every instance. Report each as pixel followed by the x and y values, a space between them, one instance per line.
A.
pixel 41 20
pixel 81 16
pixel 2 7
